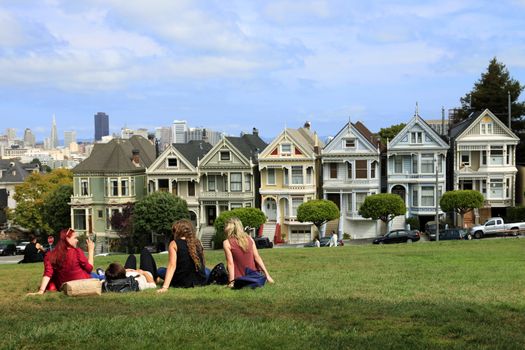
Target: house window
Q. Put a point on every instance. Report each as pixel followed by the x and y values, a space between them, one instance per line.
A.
pixel 349 170
pixel 124 187
pixel 349 143
pixel 507 188
pixel 496 155
pixel 84 189
pixel 333 170
pixel 247 182
pixel 427 163
pixel 359 200
pixel 496 188
pixel 361 169
pixel 509 153
pixel 465 159
pixel 100 213
pixel 286 176
pixel 427 196
pixel 416 137
pixel 309 172
pixel 373 170
pixel 296 202
pixel 235 182
pixel 415 197
pixel 79 216
pixel 191 189
pixel 211 183
pixel 286 149
pixel 113 187
pixel 486 128
pixel 225 155
pixel 172 162
pixel 398 164
pixel 414 164
pixel 235 205
pixel 484 157
pixel 297 175
pixel 270 177
pixel 349 204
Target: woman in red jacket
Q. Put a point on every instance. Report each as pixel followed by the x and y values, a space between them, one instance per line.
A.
pixel 66 262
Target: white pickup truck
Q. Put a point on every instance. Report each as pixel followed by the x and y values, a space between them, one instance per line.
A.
pixel 496 226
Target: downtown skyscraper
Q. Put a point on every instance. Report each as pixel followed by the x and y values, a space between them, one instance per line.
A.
pixel 101 125
pixel 53 139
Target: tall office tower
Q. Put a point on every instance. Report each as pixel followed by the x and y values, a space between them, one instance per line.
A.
pixel 69 137
pixel 178 131
pixel 11 134
pixel 213 137
pixel 101 125
pixel 29 138
pixel 54 135
pixel 194 134
pixel 163 135
pixel 47 143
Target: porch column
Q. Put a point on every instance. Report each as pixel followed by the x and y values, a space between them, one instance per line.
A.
pixel 323 227
pixel 341 211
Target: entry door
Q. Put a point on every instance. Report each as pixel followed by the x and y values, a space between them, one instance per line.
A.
pixel 212 214
pixel 271 209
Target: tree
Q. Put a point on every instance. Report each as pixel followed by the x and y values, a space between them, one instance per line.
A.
pixel 57 212
pixel 382 206
pixel 317 211
pixel 461 201
pixel 122 222
pixel 31 195
pixel 155 214
pixel 250 217
pixel 390 132
pixel 491 91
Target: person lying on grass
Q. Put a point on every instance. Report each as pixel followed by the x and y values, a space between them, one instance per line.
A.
pixel 185 259
pixel 145 276
pixel 66 262
pixel 240 252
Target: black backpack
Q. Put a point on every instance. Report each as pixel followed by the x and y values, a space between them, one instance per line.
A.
pixel 218 275
pixel 121 285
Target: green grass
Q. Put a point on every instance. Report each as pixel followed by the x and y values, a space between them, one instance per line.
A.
pixel 446 295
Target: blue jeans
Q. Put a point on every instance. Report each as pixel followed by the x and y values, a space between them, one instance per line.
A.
pixel 95 275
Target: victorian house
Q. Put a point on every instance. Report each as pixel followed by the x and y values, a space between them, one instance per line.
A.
pixel 113 176
pixel 351 172
pixel 289 168
pixel 416 167
pixel 482 158
pixel 176 170
pixel 229 178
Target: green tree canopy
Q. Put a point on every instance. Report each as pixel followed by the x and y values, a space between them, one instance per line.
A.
pixel 156 213
pixel 57 212
pixel 122 222
pixel 251 217
pixel 317 211
pixel 390 132
pixel 31 195
pixel 461 201
pixel 382 206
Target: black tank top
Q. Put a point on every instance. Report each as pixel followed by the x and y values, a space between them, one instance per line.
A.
pixel 185 275
pixel 31 254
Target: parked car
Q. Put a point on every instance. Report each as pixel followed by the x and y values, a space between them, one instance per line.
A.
pixel 451 234
pixel 7 249
pixel 495 227
pixel 21 247
pixel 324 242
pixel 398 236
pixel 430 228
pixel 263 242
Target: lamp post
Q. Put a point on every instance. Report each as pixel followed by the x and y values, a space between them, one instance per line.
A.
pixel 437 204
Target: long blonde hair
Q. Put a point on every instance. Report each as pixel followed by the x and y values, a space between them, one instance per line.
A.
pixel 233 229
pixel 184 229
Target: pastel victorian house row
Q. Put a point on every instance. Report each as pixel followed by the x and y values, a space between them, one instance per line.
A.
pixel 416 165
pixel 113 176
pixel 229 178
pixel 290 170
pixel 482 158
pixel 176 171
pixel 351 172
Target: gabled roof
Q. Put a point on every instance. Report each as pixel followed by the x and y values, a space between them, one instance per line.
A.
pixel 420 121
pixel 193 150
pixel 116 156
pixel 467 124
pixel 303 138
pixel 366 135
pixel 12 171
pixel 464 124
pixel 249 145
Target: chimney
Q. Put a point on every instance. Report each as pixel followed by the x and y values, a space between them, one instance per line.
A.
pixel 204 135
pixel 255 131
pixel 307 125
pixel 136 157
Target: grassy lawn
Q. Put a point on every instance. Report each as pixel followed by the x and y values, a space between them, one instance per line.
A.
pixel 446 295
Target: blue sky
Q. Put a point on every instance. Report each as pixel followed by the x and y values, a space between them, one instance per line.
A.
pixel 233 65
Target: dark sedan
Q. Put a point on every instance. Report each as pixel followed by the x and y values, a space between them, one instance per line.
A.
pixel 398 236
pixel 451 234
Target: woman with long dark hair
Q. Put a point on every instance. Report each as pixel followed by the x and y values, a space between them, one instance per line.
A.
pixel 66 262
pixel 186 259
pixel 240 252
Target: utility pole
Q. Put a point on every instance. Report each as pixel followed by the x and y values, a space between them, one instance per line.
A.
pixel 437 203
pixel 509 107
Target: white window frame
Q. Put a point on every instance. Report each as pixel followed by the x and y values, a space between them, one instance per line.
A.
pixel 270 176
pixel 349 143
pixel 428 194
pixel 124 186
pixel 212 180
pixel 172 166
pixel 427 160
pixel 465 154
pixel 299 171
pixel 236 186
pixel 286 152
pixel 84 186
pixel 225 159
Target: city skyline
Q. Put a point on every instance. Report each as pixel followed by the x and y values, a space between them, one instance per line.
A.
pixel 231 67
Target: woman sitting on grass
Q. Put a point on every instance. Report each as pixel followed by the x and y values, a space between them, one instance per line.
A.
pixel 66 262
pixel 185 260
pixel 241 252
